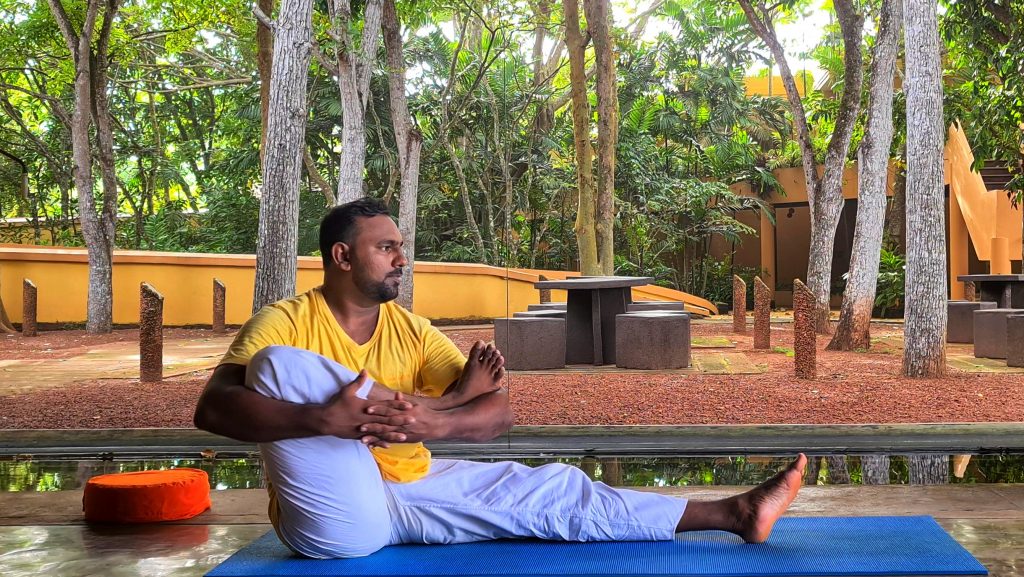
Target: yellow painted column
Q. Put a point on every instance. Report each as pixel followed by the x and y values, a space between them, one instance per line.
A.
pixel 958 239
pixel 767 233
pixel 1000 263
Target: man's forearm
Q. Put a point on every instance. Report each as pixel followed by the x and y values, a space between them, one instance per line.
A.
pixel 269 419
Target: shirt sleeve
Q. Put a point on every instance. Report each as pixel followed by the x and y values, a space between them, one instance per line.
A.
pixel 269 326
pixel 442 363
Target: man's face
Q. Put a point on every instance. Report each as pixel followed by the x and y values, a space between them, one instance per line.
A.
pixel 377 258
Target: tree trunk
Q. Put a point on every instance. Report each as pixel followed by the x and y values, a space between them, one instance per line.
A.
pixel 824 195
pixel 409 142
pixel 585 227
pixel 277 245
pixel 874 469
pixel 467 204
pixel 264 61
pixel 828 203
pixel 97 229
pixel 598 14
pixel 924 353
pixel 854 330
pixel 927 469
pixel 896 219
pixel 5 321
pixel 355 63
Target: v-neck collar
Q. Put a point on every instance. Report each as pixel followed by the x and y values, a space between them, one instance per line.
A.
pixel 328 317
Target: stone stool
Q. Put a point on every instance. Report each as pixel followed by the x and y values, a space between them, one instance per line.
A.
pixel 546 307
pixel 642 306
pixel 960 326
pixel 652 340
pixel 530 344
pixel 540 314
pixel 1015 340
pixel 990 332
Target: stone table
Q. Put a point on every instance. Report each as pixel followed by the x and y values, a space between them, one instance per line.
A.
pixel 1006 290
pixel 591 307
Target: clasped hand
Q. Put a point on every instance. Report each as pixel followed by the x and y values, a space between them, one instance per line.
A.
pixel 378 423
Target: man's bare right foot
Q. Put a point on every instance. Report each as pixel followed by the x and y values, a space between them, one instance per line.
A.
pixel 484 370
pixel 761 507
pixel 750 515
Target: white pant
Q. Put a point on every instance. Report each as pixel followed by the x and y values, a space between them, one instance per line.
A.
pixel 334 503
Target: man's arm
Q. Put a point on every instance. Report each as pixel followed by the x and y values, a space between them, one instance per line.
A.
pixel 227 407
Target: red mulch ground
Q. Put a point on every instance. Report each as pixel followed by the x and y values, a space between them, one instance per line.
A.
pixel 852 388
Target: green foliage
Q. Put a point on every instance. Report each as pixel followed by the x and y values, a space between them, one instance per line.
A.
pixel 891 280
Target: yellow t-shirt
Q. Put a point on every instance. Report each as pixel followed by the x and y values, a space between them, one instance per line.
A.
pixel 405 354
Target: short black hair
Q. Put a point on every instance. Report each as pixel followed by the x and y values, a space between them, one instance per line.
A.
pixel 339 224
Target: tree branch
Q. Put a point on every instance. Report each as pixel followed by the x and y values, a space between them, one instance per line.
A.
pixel 64 23
pixel 263 18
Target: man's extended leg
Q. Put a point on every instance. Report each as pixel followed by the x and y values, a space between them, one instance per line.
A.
pixel 330 495
pixel 461 501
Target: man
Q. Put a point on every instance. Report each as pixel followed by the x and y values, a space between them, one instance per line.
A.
pixel 348 473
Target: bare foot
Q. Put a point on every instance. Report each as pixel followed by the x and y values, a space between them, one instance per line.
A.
pixel 483 372
pixel 761 507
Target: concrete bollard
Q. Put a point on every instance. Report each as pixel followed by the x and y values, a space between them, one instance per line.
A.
pixel 545 294
pixel 219 298
pixel 151 335
pixel 28 314
pixel 762 315
pixel 739 305
pixel 970 292
pixel 804 340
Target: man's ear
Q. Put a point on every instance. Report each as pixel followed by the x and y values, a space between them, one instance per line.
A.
pixel 341 255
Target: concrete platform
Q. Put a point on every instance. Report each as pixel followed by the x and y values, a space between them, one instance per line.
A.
pixel 42 533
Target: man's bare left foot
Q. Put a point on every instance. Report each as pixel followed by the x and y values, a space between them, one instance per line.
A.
pixel 484 370
pixel 759 508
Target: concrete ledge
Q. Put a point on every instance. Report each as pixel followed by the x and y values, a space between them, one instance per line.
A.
pixel 564 440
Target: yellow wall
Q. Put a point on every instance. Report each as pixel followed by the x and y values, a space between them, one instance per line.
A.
pixel 442 290
pixel 987 213
pixel 759 85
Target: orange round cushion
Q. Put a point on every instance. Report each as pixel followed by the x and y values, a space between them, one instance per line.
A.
pixel 146 496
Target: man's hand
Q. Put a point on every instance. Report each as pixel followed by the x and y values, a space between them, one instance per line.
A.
pixel 347 416
pixel 421 422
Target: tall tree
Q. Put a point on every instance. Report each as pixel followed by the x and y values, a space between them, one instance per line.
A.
pixel 89 51
pixel 854 330
pixel 409 142
pixel 355 63
pixel 599 27
pixel 586 226
pixel 264 61
pixel 924 353
pixel 825 193
pixel 277 243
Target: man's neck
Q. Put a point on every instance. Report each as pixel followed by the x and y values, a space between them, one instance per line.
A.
pixel 357 319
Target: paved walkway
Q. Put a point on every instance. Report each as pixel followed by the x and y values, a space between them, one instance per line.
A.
pixel 109 361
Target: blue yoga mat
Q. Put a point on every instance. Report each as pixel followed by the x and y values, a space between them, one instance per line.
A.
pixel 798 546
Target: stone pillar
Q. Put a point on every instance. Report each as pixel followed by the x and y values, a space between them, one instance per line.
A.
pixel 545 294
pixel 970 292
pixel 762 315
pixel 739 305
pixel 804 340
pixel 1015 341
pixel 28 314
pixel 151 335
pixel 219 296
